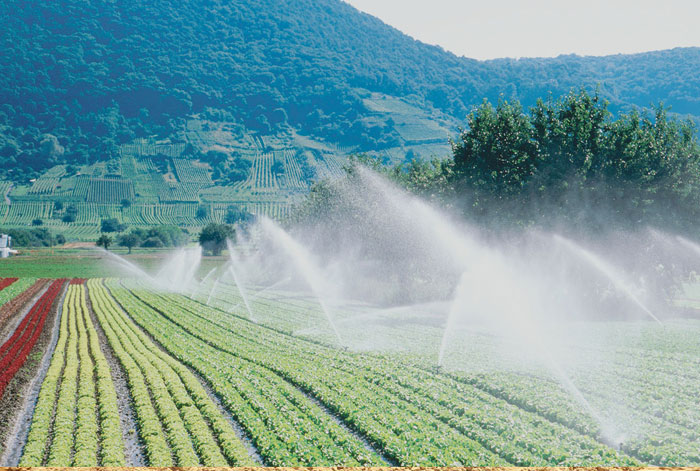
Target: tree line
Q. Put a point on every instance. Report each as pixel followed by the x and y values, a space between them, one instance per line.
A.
pixel 565 160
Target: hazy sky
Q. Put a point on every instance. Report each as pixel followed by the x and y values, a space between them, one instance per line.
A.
pixel 534 28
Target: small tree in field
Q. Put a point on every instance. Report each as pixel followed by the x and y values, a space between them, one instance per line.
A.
pixel 104 241
pixel 213 237
pixel 129 240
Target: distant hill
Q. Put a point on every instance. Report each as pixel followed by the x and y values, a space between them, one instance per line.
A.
pixel 94 74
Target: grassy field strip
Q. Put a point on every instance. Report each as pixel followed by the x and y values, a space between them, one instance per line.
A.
pixel 76 413
pixel 195 429
pixel 286 427
pixel 349 371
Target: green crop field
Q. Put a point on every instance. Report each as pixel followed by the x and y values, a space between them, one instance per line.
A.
pixel 215 379
pixel 154 198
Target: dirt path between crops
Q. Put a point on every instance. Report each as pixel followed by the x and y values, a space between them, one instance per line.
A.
pixel 240 432
pixel 332 415
pixel 237 428
pixel 22 416
pixel 78 245
pixel 7 330
pixel 368 446
pixel 133 448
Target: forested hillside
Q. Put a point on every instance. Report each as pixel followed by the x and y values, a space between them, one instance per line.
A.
pixel 79 78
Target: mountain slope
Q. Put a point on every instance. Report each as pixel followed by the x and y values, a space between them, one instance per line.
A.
pixel 94 74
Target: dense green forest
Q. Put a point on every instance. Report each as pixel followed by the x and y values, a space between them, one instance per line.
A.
pixel 565 161
pixel 78 78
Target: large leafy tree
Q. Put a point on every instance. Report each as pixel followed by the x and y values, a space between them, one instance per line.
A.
pixel 213 237
pixel 569 158
pixel 495 155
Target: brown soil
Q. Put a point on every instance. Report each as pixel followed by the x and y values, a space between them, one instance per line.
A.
pixel 78 245
pixel 377 468
pixel 18 401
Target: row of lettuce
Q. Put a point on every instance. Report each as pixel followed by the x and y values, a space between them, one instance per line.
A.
pixel 16 349
pixel 178 422
pixel 76 420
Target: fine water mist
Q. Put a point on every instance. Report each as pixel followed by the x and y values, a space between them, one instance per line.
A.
pixel 198 286
pixel 694 248
pixel 234 269
pixel 177 272
pixel 527 301
pixel 386 271
pixel 303 261
pixel 609 271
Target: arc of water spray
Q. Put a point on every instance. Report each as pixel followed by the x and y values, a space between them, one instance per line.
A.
pixel 271 287
pixel 467 252
pixel 257 295
pixel 135 269
pixel 608 434
pixel 244 296
pixel 606 269
pixel 234 262
pixel 304 263
pixel 178 273
pixel 451 316
pixel 175 275
pixel 537 344
pixel 691 245
pixel 212 291
pixel 197 287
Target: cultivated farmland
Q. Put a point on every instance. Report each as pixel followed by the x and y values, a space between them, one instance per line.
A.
pixel 205 385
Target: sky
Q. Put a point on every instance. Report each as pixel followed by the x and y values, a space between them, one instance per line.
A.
pixel 542 28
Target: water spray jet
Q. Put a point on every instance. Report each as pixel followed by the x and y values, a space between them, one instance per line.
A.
pixel 234 263
pixel 606 269
pixel 303 261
